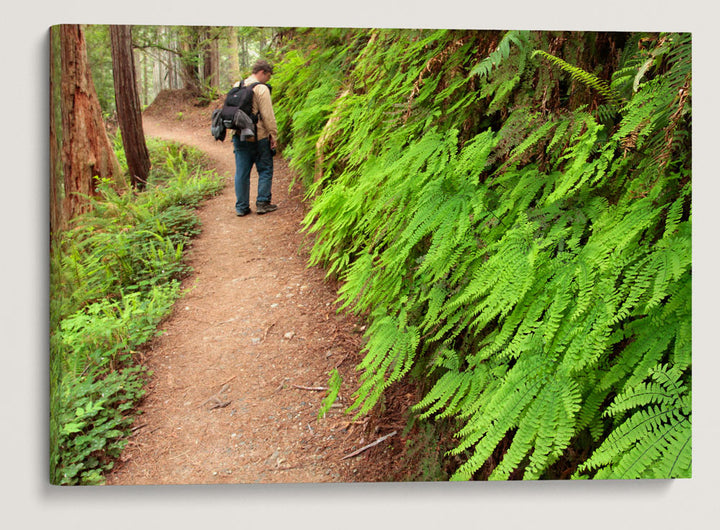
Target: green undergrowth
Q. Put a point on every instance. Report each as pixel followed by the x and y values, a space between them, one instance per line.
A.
pixel 511 213
pixel 115 275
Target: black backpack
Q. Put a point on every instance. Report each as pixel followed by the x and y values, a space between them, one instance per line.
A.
pixel 236 112
pixel 239 98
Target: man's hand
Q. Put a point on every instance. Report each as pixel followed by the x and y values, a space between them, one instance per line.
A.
pixel 273 143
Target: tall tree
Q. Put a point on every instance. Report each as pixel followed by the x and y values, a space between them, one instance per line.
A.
pixel 56 216
pixel 170 58
pixel 127 102
pixel 211 58
pixel 234 65
pixel 99 56
pixel 86 150
pixel 246 36
pixel 190 54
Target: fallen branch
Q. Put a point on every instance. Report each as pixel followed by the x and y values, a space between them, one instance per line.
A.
pixel 219 404
pixel 315 388
pixel 226 382
pixel 368 446
pixel 217 399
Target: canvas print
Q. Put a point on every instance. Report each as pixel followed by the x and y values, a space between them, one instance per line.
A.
pixel 303 255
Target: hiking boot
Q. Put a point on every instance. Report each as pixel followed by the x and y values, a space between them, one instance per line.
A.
pixel 243 213
pixel 265 207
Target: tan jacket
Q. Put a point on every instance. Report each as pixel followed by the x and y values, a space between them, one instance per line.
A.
pixel 262 103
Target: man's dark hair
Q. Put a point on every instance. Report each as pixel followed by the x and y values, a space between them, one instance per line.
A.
pixel 262 66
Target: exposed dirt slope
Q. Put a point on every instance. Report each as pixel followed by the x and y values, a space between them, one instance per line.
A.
pixel 225 404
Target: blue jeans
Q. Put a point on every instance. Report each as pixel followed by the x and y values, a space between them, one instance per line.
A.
pixel 247 154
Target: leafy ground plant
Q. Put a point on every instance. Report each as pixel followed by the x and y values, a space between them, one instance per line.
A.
pixel 114 276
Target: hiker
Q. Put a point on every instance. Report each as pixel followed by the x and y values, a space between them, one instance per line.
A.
pixel 258 150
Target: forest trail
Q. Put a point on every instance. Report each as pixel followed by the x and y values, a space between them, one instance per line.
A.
pixel 225 403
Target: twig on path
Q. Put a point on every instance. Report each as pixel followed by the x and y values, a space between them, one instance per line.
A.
pixel 368 446
pixel 281 385
pixel 217 323
pixel 337 364
pixel 356 422
pixel 217 399
pixel 175 457
pixel 270 469
pixel 315 388
pixel 265 336
pixel 226 382
pixel 268 330
pixel 219 404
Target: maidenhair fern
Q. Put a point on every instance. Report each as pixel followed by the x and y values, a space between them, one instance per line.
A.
pixel 655 441
pixel 524 251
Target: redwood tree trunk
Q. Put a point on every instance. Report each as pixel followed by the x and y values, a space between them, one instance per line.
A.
pixel 86 151
pixel 211 59
pixel 127 102
pixel 56 216
pixel 189 70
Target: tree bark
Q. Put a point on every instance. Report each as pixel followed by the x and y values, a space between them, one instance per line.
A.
pixel 171 58
pixel 127 101
pixel 234 67
pixel 211 59
pixel 87 154
pixel 189 58
pixel 56 207
pixel 244 53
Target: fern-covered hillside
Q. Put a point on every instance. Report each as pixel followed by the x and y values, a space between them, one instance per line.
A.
pixel 511 213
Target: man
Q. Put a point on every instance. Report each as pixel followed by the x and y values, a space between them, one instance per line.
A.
pixel 257 150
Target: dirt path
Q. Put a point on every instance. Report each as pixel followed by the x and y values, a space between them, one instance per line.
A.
pixel 255 325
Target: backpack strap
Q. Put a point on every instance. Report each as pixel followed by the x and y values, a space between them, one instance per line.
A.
pixel 256 117
pixel 251 86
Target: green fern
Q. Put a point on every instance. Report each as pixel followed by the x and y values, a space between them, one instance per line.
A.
pixel 334 384
pixel 655 441
pixel 528 258
pixel 580 75
pixel 516 38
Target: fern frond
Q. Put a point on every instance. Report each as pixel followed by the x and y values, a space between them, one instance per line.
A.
pixel 578 74
pixel 509 266
pixel 487 426
pixel 391 348
pixel 484 67
pixel 655 440
pixel 334 383
pixel 447 388
pixel 532 139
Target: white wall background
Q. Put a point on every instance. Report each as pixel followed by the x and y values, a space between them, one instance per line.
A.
pixel 27 499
